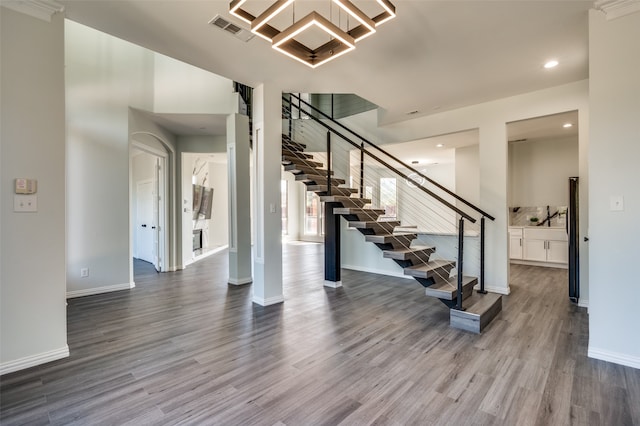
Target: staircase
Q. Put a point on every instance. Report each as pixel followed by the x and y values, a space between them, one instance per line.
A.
pixel 433 274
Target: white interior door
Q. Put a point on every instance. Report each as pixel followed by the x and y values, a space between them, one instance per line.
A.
pixel 145 221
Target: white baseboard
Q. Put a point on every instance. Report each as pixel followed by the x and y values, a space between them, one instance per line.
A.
pixel 537 263
pixel 332 284
pixel 377 271
pixel 99 290
pixel 616 358
pixel 33 360
pixel 240 281
pixel 499 290
pixel 269 301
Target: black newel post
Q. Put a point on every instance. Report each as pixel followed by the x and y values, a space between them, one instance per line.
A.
pixel 460 263
pixel 482 290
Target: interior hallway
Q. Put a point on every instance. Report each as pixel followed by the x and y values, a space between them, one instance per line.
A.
pixel 186 348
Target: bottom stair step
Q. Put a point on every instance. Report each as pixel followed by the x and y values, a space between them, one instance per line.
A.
pixel 448 290
pixel 480 310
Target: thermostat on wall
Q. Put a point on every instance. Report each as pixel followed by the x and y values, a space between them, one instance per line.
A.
pixel 26 186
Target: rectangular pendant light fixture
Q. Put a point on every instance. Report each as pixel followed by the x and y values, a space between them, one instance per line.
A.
pixel 388 14
pixel 285 41
pixel 268 15
pixel 359 16
pixel 340 41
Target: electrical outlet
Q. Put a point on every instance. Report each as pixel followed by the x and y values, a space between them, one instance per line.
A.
pixel 84 272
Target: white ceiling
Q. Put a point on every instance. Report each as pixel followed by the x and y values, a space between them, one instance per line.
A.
pixel 435 56
pixel 546 127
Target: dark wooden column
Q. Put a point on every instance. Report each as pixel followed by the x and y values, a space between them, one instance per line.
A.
pixel 331 246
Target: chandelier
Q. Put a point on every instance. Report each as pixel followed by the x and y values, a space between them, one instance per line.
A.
pixel 291 41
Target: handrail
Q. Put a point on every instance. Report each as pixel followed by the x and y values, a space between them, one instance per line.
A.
pixel 433 182
pixel 393 169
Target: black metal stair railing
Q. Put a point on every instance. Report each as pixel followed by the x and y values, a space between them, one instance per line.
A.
pixel 332 127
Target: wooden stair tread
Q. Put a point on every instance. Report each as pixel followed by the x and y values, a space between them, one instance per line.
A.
pixel 355 211
pixel 424 270
pixel 404 253
pixel 389 236
pixel 448 289
pixel 318 178
pixel 334 189
pixel 297 154
pixel 373 223
pixel 345 200
pixel 303 168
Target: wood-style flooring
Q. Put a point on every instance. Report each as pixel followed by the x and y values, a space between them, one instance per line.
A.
pixel 186 348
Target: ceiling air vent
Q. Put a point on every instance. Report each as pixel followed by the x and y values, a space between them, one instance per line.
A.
pixel 236 31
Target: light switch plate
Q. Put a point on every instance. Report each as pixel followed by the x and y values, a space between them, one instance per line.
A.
pixel 617 203
pixel 25 203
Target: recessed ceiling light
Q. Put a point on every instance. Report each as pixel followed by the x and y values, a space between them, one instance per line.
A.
pixel 567 125
pixel 439 145
pixel 551 64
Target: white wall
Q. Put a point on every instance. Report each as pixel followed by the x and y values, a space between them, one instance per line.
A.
pixel 33 327
pixel 104 77
pixel 108 81
pixel 219 223
pixel 468 174
pixel 539 171
pixel 614 86
pixel 182 88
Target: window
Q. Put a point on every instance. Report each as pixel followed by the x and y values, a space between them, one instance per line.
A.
pixel 313 215
pixel 389 198
pixel 284 206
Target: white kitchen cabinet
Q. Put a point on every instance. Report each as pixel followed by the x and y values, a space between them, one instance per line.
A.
pixel 545 245
pixel 557 251
pixel 515 243
pixel 535 250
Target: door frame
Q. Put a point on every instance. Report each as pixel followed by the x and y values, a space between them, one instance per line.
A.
pixel 163 204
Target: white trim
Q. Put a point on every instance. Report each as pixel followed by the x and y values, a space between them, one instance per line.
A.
pixel 583 303
pixel 616 358
pixel 33 360
pixel 208 253
pixel 240 281
pixel 537 263
pixel 99 290
pixel 41 9
pixel 332 284
pixel 268 302
pixel 377 271
pixel 613 9
pixel 499 290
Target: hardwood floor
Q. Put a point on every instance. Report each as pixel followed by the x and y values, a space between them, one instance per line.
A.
pixel 186 348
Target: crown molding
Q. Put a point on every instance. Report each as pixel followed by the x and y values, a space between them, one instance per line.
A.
pixel 613 9
pixel 41 9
